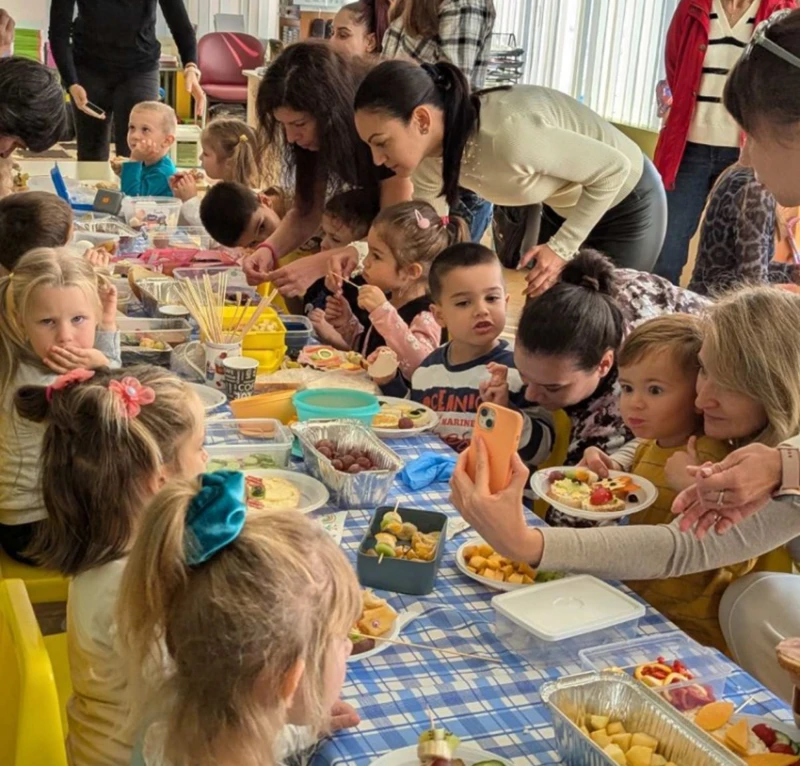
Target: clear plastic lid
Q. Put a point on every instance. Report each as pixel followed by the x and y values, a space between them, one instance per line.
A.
pixel 567 608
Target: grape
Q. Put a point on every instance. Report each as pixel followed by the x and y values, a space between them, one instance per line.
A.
pixel 364 462
pixel 337 464
pixel 354 468
pixel 405 423
pixel 327 451
pixel 347 461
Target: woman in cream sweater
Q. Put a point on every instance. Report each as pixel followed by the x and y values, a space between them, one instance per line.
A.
pixel 518 146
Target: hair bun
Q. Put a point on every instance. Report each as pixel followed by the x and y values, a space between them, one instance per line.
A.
pixel 437 75
pixel 591 271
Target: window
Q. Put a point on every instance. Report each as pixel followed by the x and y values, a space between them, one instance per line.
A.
pixel 608 54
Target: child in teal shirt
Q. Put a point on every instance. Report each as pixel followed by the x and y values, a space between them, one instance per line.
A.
pixel 151 133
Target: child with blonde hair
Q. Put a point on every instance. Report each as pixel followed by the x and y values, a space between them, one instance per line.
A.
pixel 402 243
pixel 151 133
pixel 250 611
pixel 658 369
pixel 111 440
pixel 56 315
pixel 229 153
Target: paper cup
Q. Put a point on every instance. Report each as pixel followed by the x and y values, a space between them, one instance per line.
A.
pixel 173 312
pixel 240 376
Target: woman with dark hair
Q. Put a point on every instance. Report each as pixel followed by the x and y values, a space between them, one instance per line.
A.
pixel 108 54
pixel 518 146
pixel 305 104
pixel 358 28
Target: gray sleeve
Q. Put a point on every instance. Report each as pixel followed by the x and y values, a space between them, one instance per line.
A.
pixel 625 454
pixel 108 343
pixel 654 552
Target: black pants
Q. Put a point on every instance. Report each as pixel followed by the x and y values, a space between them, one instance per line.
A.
pixel 15 538
pixel 116 94
pixel 631 233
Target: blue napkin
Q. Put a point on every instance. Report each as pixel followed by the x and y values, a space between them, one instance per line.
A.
pixel 428 468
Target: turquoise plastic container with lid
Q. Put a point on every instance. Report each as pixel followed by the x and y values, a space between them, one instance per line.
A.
pixel 336 403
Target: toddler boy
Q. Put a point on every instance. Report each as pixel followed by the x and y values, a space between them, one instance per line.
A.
pixel 236 216
pixel 469 301
pixel 151 133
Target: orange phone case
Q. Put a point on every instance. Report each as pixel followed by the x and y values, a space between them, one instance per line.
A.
pixel 500 429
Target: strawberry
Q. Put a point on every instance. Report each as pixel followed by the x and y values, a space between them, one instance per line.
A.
pixel 600 496
pixel 781 747
pixel 765 733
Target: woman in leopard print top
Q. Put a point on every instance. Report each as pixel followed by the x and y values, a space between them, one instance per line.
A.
pixel 737 241
pixel 567 342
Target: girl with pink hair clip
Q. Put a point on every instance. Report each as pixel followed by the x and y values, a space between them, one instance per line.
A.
pixel 402 243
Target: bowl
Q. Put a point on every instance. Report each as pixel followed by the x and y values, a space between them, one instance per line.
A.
pixel 336 404
pixel 277 405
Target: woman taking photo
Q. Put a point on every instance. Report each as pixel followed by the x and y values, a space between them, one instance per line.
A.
pixel 757 403
pixel 522 145
pixel 305 104
pixel 109 56
pixel 358 28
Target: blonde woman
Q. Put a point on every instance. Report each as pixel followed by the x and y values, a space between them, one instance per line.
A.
pixel 252 615
pixel 754 402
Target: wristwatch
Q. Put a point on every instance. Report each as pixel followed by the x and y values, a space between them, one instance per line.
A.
pixel 790 470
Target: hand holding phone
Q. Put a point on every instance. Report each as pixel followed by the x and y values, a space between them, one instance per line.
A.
pixel 500 429
pixel 94 111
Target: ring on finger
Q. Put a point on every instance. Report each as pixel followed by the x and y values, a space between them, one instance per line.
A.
pixel 721 498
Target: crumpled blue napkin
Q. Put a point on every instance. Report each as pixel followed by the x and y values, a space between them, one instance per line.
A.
pixel 428 468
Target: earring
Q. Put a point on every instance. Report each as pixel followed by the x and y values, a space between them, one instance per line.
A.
pixel 424 130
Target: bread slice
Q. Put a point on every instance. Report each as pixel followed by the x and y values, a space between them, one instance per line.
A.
pixel 569 492
pixel 615 504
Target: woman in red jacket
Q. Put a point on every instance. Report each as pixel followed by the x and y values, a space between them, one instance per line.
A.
pixel 700 139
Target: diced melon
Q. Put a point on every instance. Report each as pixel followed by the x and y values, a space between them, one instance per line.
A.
pixel 644 740
pixel 600 738
pixel 639 755
pixel 614 752
pixel 623 740
pixel 598 722
pixel 615 728
pixel 770 759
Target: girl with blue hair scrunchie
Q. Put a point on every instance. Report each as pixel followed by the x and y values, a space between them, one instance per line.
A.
pixel 251 611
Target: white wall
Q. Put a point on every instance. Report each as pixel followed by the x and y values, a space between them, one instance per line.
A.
pixel 30 14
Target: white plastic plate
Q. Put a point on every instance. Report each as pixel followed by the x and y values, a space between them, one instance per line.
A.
pixel 407 756
pixel 313 494
pixel 431 419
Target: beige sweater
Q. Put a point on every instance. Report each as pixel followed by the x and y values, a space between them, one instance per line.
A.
pixel 538 145
pixel 656 552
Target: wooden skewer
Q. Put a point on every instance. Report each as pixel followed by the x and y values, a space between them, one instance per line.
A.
pixel 358 287
pixel 259 311
pixel 396 506
pixel 428 647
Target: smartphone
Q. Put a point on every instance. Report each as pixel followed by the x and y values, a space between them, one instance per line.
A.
pixel 95 111
pixel 500 429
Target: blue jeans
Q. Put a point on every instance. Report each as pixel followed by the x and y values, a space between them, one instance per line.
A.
pixel 700 167
pixel 476 212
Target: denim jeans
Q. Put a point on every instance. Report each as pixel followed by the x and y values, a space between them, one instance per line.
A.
pixel 700 167
pixel 476 212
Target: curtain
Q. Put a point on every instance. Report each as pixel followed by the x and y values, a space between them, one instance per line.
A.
pixel 606 53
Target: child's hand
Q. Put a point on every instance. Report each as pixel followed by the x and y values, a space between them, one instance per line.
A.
pixel 184 186
pixel 145 151
pixel 596 460
pixel 338 311
pixel 116 165
pixel 98 257
pixel 108 300
pixel 326 332
pixel 495 390
pixel 62 360
pixel 343 716
pixel 371 298
pixel 675 469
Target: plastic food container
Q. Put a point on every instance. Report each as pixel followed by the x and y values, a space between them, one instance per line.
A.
pixel 152 212
pixel 272 336
pixel 631 703
pixel 298 334
pixel 158 336
pixel 191 237
pixel 157 293
pixel 416 578
pixel 101 230
pixel 276 405
pixel 241 445
pixel 124 294
pixel 551 623
pixel 336 403
pixel 709 668
pixel 363 490
pixel 236 278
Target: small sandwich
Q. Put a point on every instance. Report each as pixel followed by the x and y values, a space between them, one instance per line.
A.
pixel 384 365
pixel 620 486
pixel 271 494
pixel 571 487
pixel 437 747
pixel 602 500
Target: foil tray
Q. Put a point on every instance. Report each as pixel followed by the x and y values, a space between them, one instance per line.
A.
pixel 368 489
pixel 627 700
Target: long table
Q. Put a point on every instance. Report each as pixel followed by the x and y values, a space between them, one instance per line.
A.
pixel 495 706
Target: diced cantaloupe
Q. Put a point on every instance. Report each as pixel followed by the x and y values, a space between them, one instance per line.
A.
pixel 714 715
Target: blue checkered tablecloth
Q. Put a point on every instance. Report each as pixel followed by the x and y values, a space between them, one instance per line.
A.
pixel 494 706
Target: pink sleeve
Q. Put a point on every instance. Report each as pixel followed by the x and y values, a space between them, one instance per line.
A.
pixel 412 343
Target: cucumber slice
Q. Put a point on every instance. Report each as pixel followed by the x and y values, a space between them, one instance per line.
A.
pixel 251 460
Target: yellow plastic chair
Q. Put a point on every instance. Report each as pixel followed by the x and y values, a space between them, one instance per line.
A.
pixel 31 732
pixel 43 585
pixel 562 426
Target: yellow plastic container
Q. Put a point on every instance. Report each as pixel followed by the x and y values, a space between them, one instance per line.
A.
pixel 265 288
pixel 277 405
pixel 269 360
pixel 256 341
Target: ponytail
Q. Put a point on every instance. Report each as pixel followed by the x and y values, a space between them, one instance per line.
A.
pixel 578 317
pixel 373 15
pixel 399 87
pixel 235 142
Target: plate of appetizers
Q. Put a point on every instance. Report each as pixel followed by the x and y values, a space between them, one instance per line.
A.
pixel 581 493
pixel 400 418
pixel 478 560
pixel 378 621
pixel 438 747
